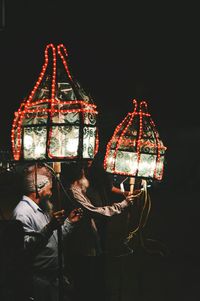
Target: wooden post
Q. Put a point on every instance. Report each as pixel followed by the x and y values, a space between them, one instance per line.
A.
pixel 57 169
pixel 132 184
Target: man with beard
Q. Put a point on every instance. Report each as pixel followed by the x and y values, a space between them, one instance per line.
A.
pixel 40 241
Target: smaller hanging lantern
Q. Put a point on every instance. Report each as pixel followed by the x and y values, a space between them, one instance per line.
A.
pixel 57 122
pixel 135 148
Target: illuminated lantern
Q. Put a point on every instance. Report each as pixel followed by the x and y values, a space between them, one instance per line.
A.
pixel 137 152
pixel 57 121
pixel 135 149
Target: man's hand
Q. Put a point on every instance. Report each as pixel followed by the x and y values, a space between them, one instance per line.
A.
pixel 75 215
pixel 133 197
pixel 136 192
pixel 57 219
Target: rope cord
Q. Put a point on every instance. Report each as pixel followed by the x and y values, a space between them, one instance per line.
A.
pixel 142 223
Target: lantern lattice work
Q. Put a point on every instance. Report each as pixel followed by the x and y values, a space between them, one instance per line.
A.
pixel 57 121
pixel 135 148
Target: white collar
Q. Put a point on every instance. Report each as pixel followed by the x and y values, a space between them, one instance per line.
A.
pixel 33 205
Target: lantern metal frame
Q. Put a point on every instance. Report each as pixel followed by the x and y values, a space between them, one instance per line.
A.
pixel 47 111
pixel 135 139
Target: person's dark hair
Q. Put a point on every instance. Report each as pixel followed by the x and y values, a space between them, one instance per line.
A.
pixel 71 172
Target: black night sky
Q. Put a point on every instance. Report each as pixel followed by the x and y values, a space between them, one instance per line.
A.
pixel 117 52
pixel 120 51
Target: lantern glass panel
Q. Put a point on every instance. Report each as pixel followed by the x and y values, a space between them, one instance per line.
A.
pixel 17 140
pixel 147 165
pixel 40 117
pixel 64 141
pixel 159 167
pixel 110 161
pixel 70 118
pixel 34 141
pixel 65 91
pixel 89 137
pixel 126 162
pixel 89 118
pixel 148 146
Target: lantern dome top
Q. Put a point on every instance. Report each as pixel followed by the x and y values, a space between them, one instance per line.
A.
pixel 55 81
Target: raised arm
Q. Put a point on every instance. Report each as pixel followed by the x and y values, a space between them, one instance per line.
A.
pixel 115 208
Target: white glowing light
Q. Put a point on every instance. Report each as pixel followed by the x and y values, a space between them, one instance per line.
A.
pixel 147 165
pixel 28 141
pixel 39 150
pixel 72 145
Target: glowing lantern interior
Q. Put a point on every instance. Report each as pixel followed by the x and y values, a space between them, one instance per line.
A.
pixel 135 148
pixel 57 120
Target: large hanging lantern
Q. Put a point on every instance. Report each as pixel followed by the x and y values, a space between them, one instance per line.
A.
pixel 135 148
pixel 57 121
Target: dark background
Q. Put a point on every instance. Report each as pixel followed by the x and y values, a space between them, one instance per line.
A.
pixel 120 51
